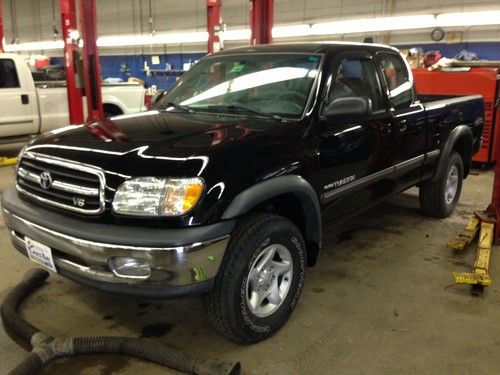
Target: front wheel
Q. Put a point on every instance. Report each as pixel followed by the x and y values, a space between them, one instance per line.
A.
pixel 260 279
pixel 439 198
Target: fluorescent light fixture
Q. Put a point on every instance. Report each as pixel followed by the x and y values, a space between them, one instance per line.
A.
pixel 291 31
pixel 278 32
pixel 35 46
pixel 364 25
pixel 161 38
pixel 469 18
pixel 237 34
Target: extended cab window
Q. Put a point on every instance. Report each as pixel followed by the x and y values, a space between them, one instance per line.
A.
pixel 356 77
pixel 8 74
pixel 396 76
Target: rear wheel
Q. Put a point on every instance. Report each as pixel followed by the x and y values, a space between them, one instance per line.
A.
pixel 439 198
pixel 260 279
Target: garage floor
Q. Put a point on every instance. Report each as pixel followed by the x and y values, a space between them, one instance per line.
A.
pixel 376 303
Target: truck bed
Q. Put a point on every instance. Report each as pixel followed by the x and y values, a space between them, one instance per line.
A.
pixel 455 110
pixel 437 100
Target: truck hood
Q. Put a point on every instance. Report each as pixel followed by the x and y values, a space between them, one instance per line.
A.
pixel 157 143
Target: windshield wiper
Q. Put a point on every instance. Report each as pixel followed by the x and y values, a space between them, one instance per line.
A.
pixel 237 107
pixel 183 108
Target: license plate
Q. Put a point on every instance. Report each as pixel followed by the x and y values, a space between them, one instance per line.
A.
pixel 40 253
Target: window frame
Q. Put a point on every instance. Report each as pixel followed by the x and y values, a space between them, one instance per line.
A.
pixel 335 66
pixel 314 90
pixel 387 91
pixel 15 74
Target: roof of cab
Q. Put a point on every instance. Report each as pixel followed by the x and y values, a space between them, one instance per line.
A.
pixel 320 47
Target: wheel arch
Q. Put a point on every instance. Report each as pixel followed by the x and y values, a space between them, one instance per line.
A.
pixel 461 141
pixel 113 109
pixel 289 196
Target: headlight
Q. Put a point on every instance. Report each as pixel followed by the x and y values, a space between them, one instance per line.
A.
pixel 152 196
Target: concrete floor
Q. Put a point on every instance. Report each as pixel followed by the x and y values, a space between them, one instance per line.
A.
pixel 376 303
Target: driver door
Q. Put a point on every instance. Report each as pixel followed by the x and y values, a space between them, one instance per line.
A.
pixel 356 157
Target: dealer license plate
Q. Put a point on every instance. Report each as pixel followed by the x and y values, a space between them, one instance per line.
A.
pixel 40 253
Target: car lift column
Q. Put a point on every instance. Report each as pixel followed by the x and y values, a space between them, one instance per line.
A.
pixel 214 19
pixel 1 26
pixel 91 65
pixel 261 21
pixel 69 24
pixel 494 207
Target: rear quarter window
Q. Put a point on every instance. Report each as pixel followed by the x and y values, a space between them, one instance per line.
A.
pixel 8 74
pixel 395 73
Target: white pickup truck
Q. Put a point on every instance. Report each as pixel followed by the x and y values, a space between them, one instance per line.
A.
pixel 28 107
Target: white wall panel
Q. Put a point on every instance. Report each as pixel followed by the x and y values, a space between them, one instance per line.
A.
pixel 34 17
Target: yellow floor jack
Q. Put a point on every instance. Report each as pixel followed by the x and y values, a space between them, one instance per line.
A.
pixel 481 226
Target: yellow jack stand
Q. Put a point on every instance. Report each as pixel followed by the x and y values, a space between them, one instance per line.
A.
pixel 484 225
pixel 4 161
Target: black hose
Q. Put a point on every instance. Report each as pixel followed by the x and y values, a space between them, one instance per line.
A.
pixel 46 348
pixel 32 280
pixel 146 349
pixel 30 365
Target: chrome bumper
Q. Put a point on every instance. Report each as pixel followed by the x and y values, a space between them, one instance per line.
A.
pixel 87 261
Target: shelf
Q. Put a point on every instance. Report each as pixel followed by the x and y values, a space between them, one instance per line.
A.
pixel 163 73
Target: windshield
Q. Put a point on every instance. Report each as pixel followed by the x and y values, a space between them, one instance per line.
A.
pixel 258 84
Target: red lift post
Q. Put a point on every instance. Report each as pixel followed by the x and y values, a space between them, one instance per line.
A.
pixel 214 19
pixel 91 64
pixel 1 26
pixel 69 24
pixel 261 21
pixel 494 207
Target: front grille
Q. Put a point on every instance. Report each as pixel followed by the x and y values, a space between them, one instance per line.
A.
pixel 61 183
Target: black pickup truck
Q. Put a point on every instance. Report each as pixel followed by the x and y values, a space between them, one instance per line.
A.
pixel 222 189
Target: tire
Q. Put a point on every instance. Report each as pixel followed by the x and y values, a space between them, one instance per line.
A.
pixel 439 198
pixel 239 283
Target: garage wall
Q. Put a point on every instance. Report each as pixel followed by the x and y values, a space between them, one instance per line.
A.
pixel 34 17
pixel 112 66
pixel 34 20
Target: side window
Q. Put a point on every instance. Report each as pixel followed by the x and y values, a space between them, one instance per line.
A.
pixel 357 77
pixel 396 77
pixel 8 74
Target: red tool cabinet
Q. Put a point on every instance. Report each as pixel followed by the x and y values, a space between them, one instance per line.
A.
pixel 476 81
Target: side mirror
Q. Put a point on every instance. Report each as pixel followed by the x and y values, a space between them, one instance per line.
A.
pixel 157 97
pixel 349 107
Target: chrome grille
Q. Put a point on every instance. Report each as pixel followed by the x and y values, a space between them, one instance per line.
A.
pixel 61 183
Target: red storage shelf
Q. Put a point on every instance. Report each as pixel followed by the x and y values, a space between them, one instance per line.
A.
pixel 477 81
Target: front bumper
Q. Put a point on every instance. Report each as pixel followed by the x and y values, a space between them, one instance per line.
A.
pixel 183 261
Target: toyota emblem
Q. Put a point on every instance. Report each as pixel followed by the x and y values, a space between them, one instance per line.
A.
pixel 45 180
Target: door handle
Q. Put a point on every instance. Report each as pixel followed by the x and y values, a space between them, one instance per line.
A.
pixel 387 129
pixel 403 125
pixel 25 99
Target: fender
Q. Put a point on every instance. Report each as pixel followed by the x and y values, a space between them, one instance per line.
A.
pixel 293 184
pixel 456 134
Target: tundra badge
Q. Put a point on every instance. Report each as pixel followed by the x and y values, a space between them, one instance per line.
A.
pixel 339 183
